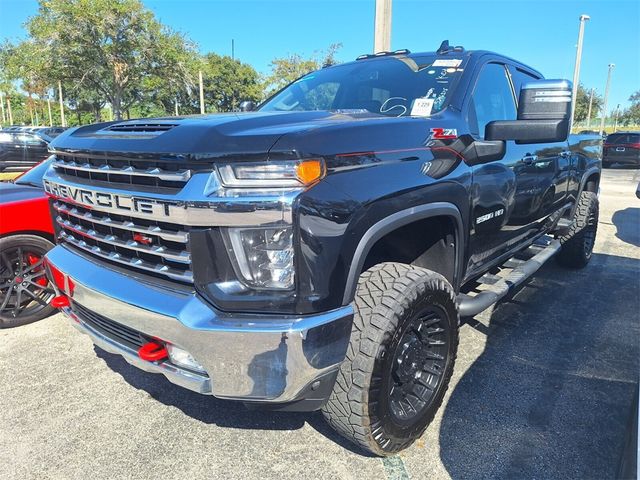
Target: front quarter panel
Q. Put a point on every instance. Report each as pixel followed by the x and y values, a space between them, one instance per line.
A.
pixel 335 216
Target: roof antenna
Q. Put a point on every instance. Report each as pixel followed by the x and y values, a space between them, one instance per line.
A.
pixel 444 48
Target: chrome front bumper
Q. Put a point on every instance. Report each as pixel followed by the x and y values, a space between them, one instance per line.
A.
pixel 254 358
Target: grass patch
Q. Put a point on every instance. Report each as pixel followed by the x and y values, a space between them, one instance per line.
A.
pixel 5 177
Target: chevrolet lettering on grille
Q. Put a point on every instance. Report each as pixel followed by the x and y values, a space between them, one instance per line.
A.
pixel 106 200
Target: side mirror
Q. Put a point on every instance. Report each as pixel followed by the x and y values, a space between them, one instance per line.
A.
pixel 544 111
pixel 476 152
pixel 247 106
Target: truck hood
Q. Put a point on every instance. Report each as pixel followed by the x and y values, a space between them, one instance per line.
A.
pixel 206 136
pixel 252 135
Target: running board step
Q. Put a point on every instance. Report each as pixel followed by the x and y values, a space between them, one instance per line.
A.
pixel 470 306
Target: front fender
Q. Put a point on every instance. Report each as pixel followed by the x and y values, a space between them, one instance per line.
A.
pixel 341 218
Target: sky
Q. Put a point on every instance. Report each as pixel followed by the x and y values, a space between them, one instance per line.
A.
pixel 540 33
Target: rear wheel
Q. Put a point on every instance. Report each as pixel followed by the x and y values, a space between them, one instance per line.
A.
pixel 577 244
pixel 25 292
pixel 400 358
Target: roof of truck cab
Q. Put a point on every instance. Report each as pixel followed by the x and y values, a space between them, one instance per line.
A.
pixel 471 54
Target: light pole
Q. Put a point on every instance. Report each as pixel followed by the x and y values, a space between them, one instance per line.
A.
pixel 4 118
pixel 576 69
pixel 606 97
pixel 49 108
pixel 615 125
pixel 62 121
pixel 201 93
pixel 589 111
pixel 382 25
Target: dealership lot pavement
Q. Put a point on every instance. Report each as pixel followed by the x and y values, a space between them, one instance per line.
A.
pixel 542 388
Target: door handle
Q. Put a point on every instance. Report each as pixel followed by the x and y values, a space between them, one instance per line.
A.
pixel 529 159
pixel 565 154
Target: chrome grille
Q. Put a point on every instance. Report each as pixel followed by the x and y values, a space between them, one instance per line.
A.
pixel 142 244
pixel 178 176
pixel 169 174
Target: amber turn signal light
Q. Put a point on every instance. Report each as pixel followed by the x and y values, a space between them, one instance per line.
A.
pixel 308 171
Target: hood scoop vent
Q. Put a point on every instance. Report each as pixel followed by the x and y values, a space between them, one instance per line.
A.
pixel 141 127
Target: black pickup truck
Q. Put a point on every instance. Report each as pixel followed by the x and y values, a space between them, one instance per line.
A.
pixel 319 251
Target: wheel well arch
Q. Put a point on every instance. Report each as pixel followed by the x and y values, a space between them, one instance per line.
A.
pixel 592 182
pixel 427 235
pixel 35 233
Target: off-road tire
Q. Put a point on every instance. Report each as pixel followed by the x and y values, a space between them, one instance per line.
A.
pixel 578 242
pixel 389 300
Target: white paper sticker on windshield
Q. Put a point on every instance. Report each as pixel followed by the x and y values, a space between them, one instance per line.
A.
pixel 447 62
pixel 422 107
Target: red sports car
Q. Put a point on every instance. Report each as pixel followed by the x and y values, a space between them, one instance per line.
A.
pixel 26 234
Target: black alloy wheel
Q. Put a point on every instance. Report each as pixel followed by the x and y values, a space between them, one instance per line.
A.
pixel 25 292
pixel 417 368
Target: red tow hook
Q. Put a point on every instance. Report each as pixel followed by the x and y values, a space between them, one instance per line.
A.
pixel 60 301
pixel 152 352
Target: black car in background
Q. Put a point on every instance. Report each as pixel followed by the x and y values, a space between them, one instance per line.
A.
pixel 23 147
pixel 621 147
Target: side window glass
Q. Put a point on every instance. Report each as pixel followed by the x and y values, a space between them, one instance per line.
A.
pixel 492 98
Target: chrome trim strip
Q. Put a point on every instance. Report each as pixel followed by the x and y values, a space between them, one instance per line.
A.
pixel 190 206
pixel 179 236
pixel 547 83
pixel 159 250
pixel 180 176
pixel 184 276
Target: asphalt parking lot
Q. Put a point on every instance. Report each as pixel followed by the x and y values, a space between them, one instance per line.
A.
pixel 542 389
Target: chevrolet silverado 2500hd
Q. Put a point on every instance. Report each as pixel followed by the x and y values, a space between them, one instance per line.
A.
pixel 318 252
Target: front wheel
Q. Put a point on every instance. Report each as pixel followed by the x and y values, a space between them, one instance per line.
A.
pixel 400 359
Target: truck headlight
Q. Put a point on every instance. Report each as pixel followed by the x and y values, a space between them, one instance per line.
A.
pixel 263 257
pixel 271 174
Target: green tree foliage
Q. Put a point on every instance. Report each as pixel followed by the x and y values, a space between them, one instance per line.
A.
pixel 110 47
pixel 114 59
pixel 288 69
pixel 228 82
pixel 582 104
pixel 631 116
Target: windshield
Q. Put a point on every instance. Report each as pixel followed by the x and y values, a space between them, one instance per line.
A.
pixel 393 86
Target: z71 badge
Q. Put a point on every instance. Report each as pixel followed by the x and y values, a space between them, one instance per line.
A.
pixel 438 133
